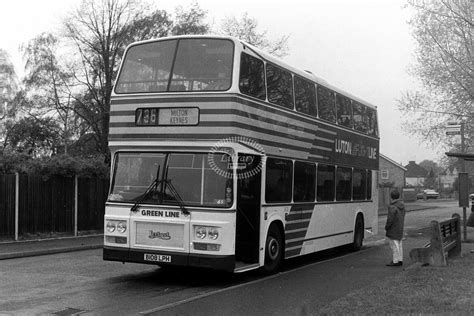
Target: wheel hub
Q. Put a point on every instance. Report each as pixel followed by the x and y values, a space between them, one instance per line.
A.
pixel 273 249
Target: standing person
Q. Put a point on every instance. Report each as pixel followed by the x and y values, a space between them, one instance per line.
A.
pixel 394 228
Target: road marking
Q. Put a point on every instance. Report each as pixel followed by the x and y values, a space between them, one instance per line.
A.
pixel 200 296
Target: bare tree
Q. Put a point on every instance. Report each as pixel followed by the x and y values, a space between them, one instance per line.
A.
pixel 8 89
pixel 49 86
pixel 444 33
pixel 246 29
pixel 100 31
pixel 190 21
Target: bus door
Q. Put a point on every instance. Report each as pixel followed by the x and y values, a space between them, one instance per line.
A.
pixel 248 208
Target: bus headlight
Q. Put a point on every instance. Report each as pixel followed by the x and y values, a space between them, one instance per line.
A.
pixel 116 226
pixel 213 233
pixel 110 227
pixel 201 232
pixel 122 227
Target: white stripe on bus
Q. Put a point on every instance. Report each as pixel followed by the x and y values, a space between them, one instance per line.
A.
pixel 298 220
pixel 291 231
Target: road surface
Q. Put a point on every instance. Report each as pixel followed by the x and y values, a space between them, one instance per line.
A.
pixel 82 283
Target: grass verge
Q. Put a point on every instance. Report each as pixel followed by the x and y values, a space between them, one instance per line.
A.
pixel 418 290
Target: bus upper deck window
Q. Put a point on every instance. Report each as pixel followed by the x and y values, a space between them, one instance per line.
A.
pixel 326 104
pixel 372 122
pixel 305 96
pixel 146 68
pixel 252 76
pixel 361 119
pixel 344 111
pixel 203 64
pixel 279 86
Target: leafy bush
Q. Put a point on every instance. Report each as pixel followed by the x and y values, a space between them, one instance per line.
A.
pixel 12 161
pixel 59 165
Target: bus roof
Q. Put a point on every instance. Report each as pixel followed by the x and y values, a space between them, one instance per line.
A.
pixel 269 58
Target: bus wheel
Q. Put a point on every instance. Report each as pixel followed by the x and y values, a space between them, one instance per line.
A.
pixel 358 234
pixel 273 251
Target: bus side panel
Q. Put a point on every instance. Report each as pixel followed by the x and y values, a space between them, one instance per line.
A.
pixel 317 228
pixel 310 228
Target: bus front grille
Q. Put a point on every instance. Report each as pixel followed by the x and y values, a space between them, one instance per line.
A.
pixel 161 235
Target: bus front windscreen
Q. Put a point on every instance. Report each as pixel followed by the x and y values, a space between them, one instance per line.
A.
pixel 155 178
pixel 191 64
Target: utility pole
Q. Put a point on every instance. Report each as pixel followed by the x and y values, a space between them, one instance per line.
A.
pixel 463 165
pixel 463 169
pixel 455 128
pixel 467 222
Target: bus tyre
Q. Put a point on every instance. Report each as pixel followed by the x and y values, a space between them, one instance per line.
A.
pixel 358 234
pixel 273 250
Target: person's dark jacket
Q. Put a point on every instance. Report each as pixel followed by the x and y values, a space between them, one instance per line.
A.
pixel 395 220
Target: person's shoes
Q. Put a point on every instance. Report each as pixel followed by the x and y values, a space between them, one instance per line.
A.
pixel 395 264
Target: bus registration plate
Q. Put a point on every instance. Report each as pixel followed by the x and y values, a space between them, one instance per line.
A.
pixel 157 258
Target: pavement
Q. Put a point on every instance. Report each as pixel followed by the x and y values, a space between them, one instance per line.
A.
pixel 29 248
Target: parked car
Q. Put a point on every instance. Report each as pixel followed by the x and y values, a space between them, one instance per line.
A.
pixel 430 194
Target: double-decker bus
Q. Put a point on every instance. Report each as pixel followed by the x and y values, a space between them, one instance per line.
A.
pixel 225 157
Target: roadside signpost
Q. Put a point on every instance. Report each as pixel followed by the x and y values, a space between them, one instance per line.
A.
pixel 464 198
pixel 454 129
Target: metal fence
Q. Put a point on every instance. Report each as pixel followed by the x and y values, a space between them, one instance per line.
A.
pixel 92 194
pixel 31 205
pixel 7 205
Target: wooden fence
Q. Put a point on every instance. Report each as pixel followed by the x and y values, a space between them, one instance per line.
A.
pixel 30 205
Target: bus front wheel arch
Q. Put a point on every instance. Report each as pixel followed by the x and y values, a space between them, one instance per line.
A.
pixel 274 250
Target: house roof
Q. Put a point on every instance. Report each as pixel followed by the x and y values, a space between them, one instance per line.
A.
pixel 415 171
pixel 396 164
pixel 465 156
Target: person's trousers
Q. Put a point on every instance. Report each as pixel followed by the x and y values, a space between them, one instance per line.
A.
pixel 397 249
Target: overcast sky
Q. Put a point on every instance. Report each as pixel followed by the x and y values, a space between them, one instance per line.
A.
pixel 361 46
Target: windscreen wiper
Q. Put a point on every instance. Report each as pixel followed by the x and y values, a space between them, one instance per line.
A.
pixel 154 185
pixel 175 194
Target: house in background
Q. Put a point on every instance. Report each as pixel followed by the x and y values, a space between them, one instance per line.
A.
pixel 447 178
pixel 391 176
pixel 415 175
